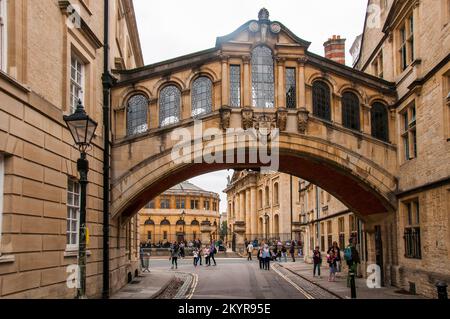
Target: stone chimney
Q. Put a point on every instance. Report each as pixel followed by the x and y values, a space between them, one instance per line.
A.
pixel 335 49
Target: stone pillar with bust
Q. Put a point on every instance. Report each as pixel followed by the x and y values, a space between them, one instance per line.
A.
pixel 302 84
pixel 281 94
pixel 225 81
pixel 246 85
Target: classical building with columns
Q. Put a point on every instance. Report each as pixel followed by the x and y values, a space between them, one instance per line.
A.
pixel 184 212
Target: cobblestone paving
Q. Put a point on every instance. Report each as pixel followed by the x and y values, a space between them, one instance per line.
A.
pixel 178 288
pixel 313 290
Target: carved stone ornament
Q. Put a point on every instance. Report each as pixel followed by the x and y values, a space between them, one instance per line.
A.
pixel 275 28
pixel 303 118
pixel 263 14
pixel 225 116
pixel 253 26
pixel 282 114
pixel 247 118
pixel 265 122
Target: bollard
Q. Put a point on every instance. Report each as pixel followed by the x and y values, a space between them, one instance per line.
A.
pixel 442 290
pixel 352 285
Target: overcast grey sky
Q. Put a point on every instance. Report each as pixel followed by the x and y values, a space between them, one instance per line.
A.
pixel 171 28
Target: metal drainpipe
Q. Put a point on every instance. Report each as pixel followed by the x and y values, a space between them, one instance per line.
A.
pixel 107 84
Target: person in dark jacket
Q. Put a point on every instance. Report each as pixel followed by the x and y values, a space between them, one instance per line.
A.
pixel 292 251
pixel 174 252
pixel 317 260
pixel 337 254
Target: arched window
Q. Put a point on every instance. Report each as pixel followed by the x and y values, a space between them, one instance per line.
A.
pixel 201 96
pixel 263 87
pixel 195 223
pixel 350 111
pixel 169 105
pixel 149 222
pixel 267 196
pixel 137 115
pixel 181 222
pixel 379 119
pixel 322 100
pixel 165 222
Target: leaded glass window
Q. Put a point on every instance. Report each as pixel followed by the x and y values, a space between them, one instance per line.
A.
pixel 201 96
pixel 291 89
pixel 379 120
pixel 137 114
pixel 322 100
pixel 263 89
pixel 350 111
pixel 235 85
pixel 169 105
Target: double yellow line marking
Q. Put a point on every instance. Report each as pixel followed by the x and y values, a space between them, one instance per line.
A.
pixel 301 290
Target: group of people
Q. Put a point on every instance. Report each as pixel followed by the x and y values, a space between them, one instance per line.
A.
pixel 265 255
pixel 334 261
pixel 199 252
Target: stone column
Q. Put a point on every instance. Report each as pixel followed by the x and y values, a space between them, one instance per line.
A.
pixel 365 119
pixel 281 95
pixel 246 85
pixel 242 206
pixel 225 81
pixel 302 84
pixel 248 214
pixel 205 229
pixel 254 218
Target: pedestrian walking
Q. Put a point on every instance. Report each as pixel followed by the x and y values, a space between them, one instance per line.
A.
pixel 260 257
pixel 292 251
pixel 212 252
pixel 317 260
pixel 331 259
pixel 249 251
pixel 351 256
pixel 206 255
pixel 284 253
pixel 175 251
pixel 196 254
pixel 276 253
pixel 182 250
pixel 266 256
pixel 337 254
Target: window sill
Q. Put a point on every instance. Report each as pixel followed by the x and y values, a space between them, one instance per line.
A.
pixel 74 253
pixel 5 259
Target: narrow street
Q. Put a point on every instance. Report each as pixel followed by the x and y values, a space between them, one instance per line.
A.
pixel 234 279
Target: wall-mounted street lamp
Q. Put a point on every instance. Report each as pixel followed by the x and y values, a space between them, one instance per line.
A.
pixel 82 128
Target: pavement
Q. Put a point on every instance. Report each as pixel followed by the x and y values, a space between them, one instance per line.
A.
pixel 339 287
pixel 237 278
pixel 146 286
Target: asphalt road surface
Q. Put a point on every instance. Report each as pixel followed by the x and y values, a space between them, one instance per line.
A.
pixel 236 279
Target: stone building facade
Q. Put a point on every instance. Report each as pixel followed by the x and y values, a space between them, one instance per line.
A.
pixel 408 43
pixel 51 55
pixel 289 208
pixel 184 212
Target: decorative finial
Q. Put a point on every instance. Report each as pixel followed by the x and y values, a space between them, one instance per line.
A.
pixel 263 14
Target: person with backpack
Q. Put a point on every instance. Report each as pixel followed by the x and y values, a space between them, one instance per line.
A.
pixel 317 260
pixel 351 256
